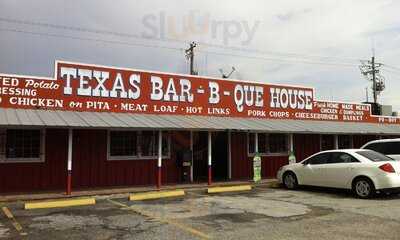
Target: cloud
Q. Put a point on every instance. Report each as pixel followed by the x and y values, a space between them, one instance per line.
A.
pixel 341 30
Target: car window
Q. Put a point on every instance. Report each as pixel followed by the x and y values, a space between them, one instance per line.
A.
pixel 392 148
pixel 321 158
pixel 387 148
pixel 341 157
pixel 377 147
pixel 374 156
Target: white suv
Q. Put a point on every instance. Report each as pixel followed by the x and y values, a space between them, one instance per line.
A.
pixel 389 147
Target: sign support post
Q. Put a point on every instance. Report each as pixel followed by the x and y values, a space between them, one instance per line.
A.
pixel 229 155
pixel 69 164
pixel 335 142
pixel 256 161
pixel 159 162
pixel 191 149
pixel 209 158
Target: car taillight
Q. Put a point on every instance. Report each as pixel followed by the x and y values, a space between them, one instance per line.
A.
pixel 387 167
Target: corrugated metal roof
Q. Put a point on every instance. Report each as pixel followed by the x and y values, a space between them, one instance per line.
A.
pixel 68 119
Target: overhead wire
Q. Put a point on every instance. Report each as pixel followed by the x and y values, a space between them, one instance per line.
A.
pixel 129 35
pixel 287 60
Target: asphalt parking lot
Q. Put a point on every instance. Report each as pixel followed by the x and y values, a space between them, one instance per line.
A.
pixel 262 213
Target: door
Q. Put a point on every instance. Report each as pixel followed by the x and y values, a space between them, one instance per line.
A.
pixel 312 171
pixel 219 156
pixel 200 156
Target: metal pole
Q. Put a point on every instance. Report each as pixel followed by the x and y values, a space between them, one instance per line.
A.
pixel 69 165
pixel 255 142
pixel 191 149
pixel 335 142
pixel 229 156
pixel 159 162
pixel 374 79
pixel 209 158
pixel 291 142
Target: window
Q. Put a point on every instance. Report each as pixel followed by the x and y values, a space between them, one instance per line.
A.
pixel 327 142
pixel 20 145
pixel 262 143
pixel 388 148
pixel 125 145
pixel 374 156
pixel 377 147
pixel 148 145
pixel 268 144
pixel 345 141
pixel 340 157
pixel 322 158
pixel 278 143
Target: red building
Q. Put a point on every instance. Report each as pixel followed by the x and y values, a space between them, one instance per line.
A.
pixel 95 126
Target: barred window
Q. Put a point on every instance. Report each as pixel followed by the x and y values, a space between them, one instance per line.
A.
pixel 149 143
pixel 345 141
pixel 278 143
pixel 327 142
pixel 21 145
pixel 268 144
pixel 124 145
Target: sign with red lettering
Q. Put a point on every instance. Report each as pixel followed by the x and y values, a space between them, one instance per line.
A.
pixel 83 87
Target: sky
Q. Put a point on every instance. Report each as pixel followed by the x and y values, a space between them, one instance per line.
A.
pixel 309 43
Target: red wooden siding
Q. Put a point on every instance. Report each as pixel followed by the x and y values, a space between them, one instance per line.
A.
pixel 271 164
pixel 242 167
pixel 30 177
pixel 92 169
pixel 305 145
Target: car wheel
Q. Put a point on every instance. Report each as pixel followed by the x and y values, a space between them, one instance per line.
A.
pixel 290 180
pixel 363 188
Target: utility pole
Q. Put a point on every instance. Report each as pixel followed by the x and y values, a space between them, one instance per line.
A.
pixel 370 69
pixel 373 78
pixel 190 55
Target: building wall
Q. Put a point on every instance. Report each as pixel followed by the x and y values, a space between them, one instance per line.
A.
pixel 92 169
pixel 271 164
pixel 305 145
pixel 49 175
pixel 242 166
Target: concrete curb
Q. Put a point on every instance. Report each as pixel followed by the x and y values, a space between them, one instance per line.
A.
pixel 155 195
pixel 125 192
pixel 60 203
pixel 229 189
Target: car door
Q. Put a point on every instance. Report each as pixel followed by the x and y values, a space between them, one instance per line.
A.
pixel 312 171
pixel 340 169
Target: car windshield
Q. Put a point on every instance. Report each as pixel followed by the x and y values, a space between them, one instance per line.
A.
pixel 374 156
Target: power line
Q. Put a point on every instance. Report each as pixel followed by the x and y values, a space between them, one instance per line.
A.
pixel 306 61
pixel 89 39
pixel 128 35
pixel 283 60
pixel 392 67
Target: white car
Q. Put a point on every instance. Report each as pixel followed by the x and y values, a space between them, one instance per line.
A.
pixel 363 171
pixel 389 147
